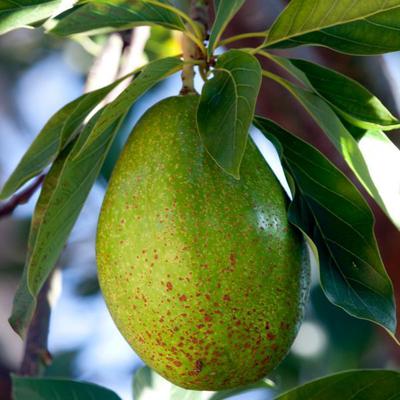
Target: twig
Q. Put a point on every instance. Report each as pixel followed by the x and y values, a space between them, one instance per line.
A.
pixel 36 355
pixel 22 197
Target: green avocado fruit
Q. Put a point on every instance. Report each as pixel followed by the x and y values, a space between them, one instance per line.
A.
pixel 202 273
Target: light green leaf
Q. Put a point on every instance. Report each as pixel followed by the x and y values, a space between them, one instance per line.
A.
pixel 376 34
pixel 226 108
pixel 349 385
pixel 227 394
pixel 56 134
pixel 383 159
pixel 330 210
pixel 18 14
pixel 147 383
pixel 58 389
pixel 109 15
pixel 225 11
pixel 344 142
pixel 302 17
pixel 350 99
pixel 150 75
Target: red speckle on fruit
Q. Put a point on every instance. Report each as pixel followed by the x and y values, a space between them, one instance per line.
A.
pixel 284 325
pixel 232 259
pixel 177 363
pixel 227 297
pixel 270 336
pixel 198 366
pixel 169 286
pixel 207 318
pixel 182 298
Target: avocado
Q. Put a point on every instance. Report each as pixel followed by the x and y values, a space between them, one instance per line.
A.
pixel 202 273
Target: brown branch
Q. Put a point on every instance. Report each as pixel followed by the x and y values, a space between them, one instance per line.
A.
pixel 36 356
pixel 22 197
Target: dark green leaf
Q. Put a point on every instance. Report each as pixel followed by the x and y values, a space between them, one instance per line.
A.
pixel 58 389
pixel 373 35
pixel 323 18
pixel 56 134
pixel 150 75
pixel 18 14
pixel 350 99
pixel 329 209
pixel 24 303
pixel 344 142
pixel 349 385
pixel 226 108
pixel 225 11
pixel 106 15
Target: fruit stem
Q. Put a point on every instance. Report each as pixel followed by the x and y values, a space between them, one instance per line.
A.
pixel 191 51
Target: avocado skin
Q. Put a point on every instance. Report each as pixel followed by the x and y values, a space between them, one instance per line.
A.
pixel 202 273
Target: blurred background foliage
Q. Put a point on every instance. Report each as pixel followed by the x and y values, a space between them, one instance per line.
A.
pixel 39 74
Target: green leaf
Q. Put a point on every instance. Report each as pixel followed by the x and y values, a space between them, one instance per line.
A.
pixel 146 381
pixel 331 212
pixel 227 106
pixel 24 303
pixel 58 389
pixel 225 11
pixel 150 75
pixel 78 175
pixel 109 15
pixel 373 35
pixel 56 134
pixel 349 385
pixel 342 139
pixel 20 14
pixel 368 27
pixel 81 169
pixel 350 99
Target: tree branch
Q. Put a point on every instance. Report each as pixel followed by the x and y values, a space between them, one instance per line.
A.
pixel 36 356
pixel 22 197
